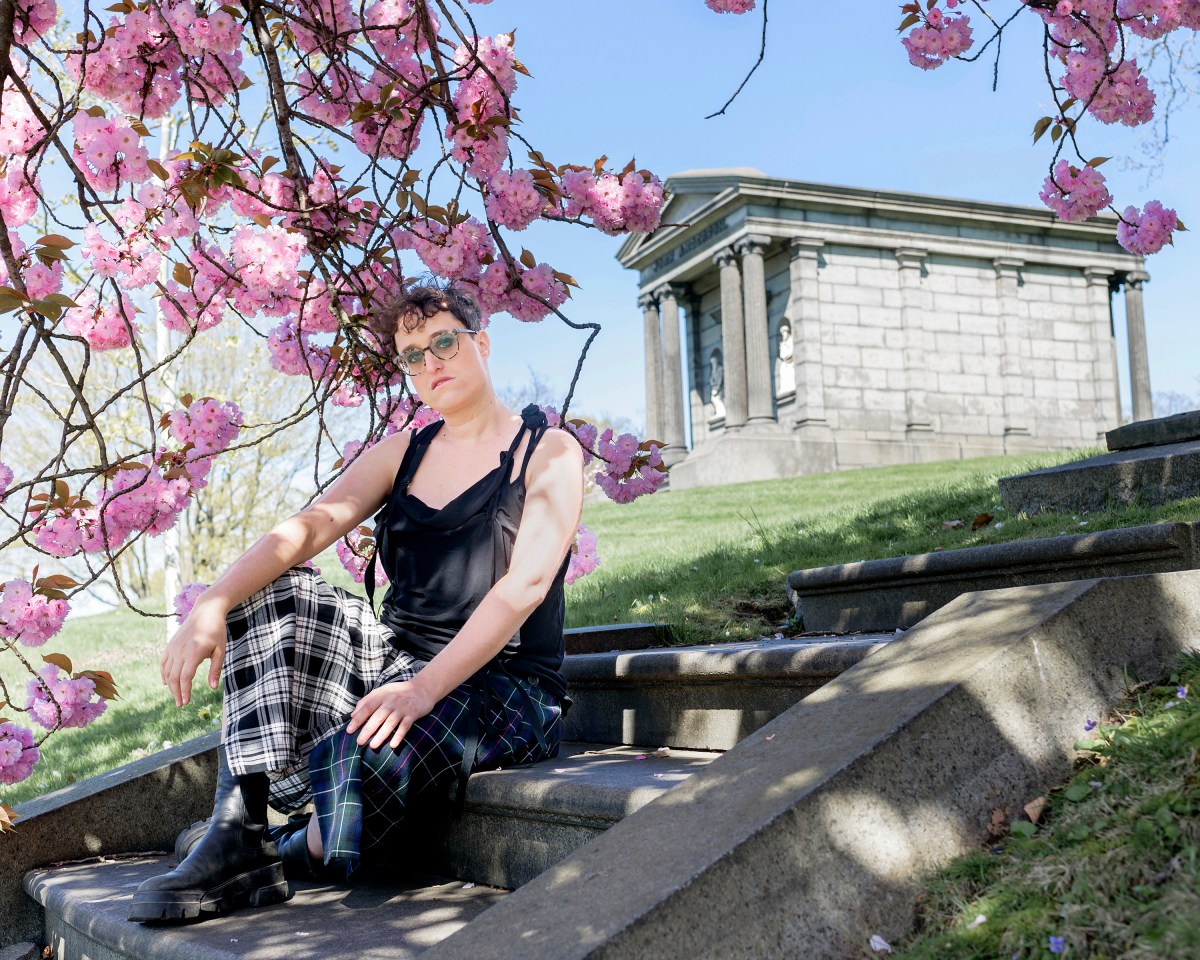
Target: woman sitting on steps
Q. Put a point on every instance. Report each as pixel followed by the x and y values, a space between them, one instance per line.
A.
pixel 364 714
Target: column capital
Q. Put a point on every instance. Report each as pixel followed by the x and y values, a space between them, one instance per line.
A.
pixel 671 291
pixel 1098 275
pixel 647 301
pixel 754 243
pixel 806 248
pixel 1007 266
pixel 1136 278
pixel 724 257
pixel 911 258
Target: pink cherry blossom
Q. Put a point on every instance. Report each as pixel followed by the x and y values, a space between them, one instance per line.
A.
pixel 730 6
pixel 6 479
pixel 1075 193
pixel 57 701
pixel 186 599
pixel 30 617
pixel 583 555
pixel 355 555
pixel 17 753
pixel 1146 231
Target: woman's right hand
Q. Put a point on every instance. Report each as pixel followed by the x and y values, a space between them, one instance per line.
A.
pixel 201 637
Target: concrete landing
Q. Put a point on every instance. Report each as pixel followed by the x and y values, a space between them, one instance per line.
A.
pixel 87 905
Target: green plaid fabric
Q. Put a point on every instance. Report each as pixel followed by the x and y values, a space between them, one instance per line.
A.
pixel 363 797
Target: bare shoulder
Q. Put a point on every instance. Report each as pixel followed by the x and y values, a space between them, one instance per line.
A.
pixel 557 453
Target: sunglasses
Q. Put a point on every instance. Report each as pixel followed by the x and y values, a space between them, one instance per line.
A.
pixel 443 345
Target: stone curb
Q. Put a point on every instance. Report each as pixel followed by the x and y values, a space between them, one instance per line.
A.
pixel 1145 475
pixel 137 807
pixel 813 834
pixel 900 591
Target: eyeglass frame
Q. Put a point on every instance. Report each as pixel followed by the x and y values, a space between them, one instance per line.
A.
pixel 429 347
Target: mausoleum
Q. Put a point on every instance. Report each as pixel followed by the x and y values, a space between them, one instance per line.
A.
pixel 800 327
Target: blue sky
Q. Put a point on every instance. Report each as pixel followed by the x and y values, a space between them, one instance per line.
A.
pixel 834 102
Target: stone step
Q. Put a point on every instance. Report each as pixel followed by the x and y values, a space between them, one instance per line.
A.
pixel 86 907
pixel 703 697
pixel 898 592
pixel 517 823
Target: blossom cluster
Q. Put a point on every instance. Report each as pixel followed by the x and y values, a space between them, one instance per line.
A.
pixel 59 700
pixel 616 203
pixel 19 194
pixel 938 38
pixel 6 479
pixel 730 6
pixel 629 471
pixel 105 323
pixel 355 551
pixel 28 615
pixel 148 54
pixel 1075 193
pixel 583 555
pixel 479 133
pixel 1146 231
pixel 145 495
pixel 18 755
pixel 186 599
pixel 512 200
pixel 109 152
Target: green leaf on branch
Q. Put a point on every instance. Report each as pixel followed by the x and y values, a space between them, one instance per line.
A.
pixel 158 170
pixel 528 259
pixel 1056 132
pixel 60 660
pixel 908 22
pixel 55 240
pixel 1040 127
pixel 1096 161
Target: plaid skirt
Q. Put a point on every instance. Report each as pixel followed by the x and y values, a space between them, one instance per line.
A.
pixel 300 655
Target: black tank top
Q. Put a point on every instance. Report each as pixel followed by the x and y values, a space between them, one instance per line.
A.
pixel 441 563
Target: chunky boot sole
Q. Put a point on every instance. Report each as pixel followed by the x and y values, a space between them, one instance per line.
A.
pixel 255 888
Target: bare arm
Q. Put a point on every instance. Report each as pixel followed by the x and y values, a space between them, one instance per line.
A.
pixel 553 498
pixel 351 499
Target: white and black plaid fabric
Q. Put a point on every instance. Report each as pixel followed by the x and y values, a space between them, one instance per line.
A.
pixel 301 653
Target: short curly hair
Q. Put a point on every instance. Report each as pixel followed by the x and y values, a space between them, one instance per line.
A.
pixel 412 306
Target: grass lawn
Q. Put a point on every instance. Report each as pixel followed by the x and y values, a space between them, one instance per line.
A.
pixel 1111 870
pixel 709 563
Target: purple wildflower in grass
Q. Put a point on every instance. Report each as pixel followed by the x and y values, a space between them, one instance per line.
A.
pixel 1058 944
pixel 1089 726
pixel 1181 692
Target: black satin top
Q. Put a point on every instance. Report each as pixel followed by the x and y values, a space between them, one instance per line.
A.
pixel 441 563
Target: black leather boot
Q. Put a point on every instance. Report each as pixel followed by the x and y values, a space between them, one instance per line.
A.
pixel 298 863
pixel 234 864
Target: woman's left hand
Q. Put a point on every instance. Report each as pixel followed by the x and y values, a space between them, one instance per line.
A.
pixel 389 711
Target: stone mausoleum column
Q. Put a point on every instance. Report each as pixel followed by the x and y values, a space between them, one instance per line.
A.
pixel 653 365
pixel 733 339
pixel 804 310
pixel 671 394
pixel 1139 358
pixel 760 404
pixel 1014 363
pixel 1104 367
pixel 697 380
pixel 917 347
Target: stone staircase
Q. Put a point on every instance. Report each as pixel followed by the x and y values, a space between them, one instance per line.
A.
pixel 644 722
